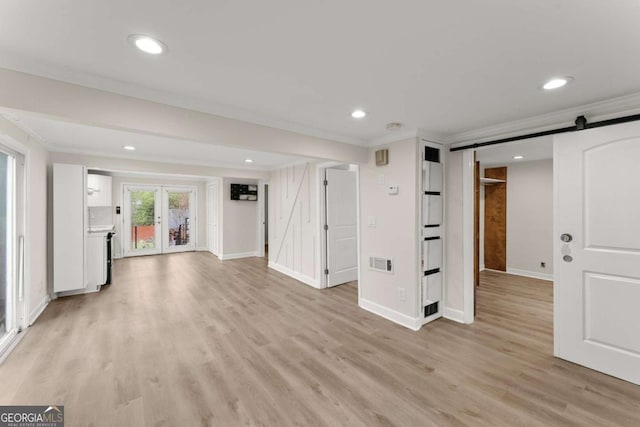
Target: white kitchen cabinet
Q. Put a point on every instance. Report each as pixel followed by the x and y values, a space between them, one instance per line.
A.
pixel 69 227
pixel 96 260
pixel 98 190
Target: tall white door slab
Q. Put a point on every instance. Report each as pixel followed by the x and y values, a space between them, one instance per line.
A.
pixel 342 238
pixel 597 278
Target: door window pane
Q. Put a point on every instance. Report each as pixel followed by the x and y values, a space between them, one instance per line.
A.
pixel 179 233
pixel 143 214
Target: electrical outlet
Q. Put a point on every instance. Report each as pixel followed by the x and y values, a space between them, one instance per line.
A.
pixel 543 264
pixel 402 294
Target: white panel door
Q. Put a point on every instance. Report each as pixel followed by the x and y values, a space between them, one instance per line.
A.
pixel 597 273
pixel 213 200
pixel 341 220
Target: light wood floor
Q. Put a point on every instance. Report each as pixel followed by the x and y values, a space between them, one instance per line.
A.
pixel 186 340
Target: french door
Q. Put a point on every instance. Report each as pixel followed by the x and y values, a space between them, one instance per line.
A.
pixel 158 219
pixel 12 208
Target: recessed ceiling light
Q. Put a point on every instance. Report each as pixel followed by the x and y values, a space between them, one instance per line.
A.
pixel 147 44
pixel 518 157
pixel 129 147
pixel 358 114
pixel 248 160
pixel 556 83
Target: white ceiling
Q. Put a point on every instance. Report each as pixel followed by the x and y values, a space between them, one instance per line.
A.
pixel 445 67
pixel 78 138
pixel 531 149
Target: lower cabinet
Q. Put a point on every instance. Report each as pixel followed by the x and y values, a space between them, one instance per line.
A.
pixel 96 260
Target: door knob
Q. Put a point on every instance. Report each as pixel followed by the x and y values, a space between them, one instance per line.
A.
pixel 566 237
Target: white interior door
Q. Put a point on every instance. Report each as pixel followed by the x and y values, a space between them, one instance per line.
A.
pixel 142 220
pixel 178 224
pixel 341 226
pixel 213 198
pixel 597 273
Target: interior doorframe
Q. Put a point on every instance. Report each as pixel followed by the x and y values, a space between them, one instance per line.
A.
pixel 468 238
pixel 261 219
pixel 217 182
pixel 321 244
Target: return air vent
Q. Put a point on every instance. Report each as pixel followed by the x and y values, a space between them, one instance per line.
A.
pixel 381 264
pixel 431 309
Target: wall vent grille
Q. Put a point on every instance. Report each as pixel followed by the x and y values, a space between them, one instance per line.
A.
pixel 381 264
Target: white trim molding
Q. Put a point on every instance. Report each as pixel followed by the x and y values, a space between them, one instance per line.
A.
pixel 36 312
pixel 453 314
pixel 413 323
pixel 202 249
pixel 295 275
pixel 532 274
pixel 226 257
pixel 468 167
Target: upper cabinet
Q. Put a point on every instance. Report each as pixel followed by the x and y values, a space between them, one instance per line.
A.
pixel 98 190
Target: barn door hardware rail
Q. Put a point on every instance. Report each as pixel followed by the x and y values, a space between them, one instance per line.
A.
pixel 580 124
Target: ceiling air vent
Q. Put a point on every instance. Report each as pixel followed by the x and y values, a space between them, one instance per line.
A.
pixel 381 264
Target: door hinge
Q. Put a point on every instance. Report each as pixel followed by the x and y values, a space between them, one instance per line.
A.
pixel 326 227
pixel 326 271
pixel 326 182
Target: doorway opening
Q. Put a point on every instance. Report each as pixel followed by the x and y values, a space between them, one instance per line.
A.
pixel 339 210
pixel 513 236
pixel 159 219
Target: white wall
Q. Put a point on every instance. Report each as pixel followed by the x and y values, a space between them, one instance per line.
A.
pixel 394 236
pixel 239 222
pixel 201 202
pixel 530 218
pixel 36 242
pixel 293 222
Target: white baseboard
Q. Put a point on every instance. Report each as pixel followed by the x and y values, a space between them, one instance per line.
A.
pixel 298 276
pixel 453 314
pixel 36 312
pixel 533 274
pixel 225 257
pixel 202 249
pixel 413 323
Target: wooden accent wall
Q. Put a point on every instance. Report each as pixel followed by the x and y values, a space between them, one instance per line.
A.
pixel 495 220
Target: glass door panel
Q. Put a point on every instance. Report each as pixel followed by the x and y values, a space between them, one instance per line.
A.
pixel 142 221
pixel 178 210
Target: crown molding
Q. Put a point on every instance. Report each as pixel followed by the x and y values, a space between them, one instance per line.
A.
pixel 601 110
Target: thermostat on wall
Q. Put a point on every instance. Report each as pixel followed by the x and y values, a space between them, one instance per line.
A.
pixel 392 189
